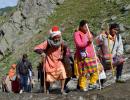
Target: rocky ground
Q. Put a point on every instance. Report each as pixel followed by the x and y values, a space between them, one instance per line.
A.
pixel 112 91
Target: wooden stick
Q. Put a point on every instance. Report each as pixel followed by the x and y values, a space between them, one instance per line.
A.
pixel 110 51
pixel 95 57
pixel 45 90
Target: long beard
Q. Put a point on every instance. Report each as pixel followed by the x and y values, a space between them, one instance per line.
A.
pixel 54 44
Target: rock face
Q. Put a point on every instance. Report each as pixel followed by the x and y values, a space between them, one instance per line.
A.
pixel 127 7
pixel 30 17
pixel 26 21
pixel 127 48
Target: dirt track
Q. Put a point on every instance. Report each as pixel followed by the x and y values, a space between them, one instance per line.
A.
pixel 114 92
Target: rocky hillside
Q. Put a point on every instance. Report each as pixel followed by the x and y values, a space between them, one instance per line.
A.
pixel 28 25
pixel 26 21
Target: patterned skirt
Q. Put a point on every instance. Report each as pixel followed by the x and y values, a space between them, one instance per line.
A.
pixel 88 66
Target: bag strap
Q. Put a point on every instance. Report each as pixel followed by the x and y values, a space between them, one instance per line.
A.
pixel 118 39
pixel 113 46
pixel 62 48
pixel 47 48
pixel 111 53
pixel 108 46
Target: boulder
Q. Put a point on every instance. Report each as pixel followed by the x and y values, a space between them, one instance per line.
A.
pixel 57 2
pixel 60 1
pixel 30 23
pixel 17 18
pixel 118 2
pixel 113 17
pixel 127 27
pixel 121 26
pixel 126 7
pixel 124 35
pixel 127 49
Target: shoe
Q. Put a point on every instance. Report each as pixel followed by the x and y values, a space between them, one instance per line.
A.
pixel 21 91
pixel 66 89
pixel 47 92
pixel 63 93
pixel 92 87
pixel 120 80
pixel 102 87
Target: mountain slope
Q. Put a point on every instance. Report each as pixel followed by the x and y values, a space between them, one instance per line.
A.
pixel 67 16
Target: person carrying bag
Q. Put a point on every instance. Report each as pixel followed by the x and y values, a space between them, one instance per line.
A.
pixel 111 50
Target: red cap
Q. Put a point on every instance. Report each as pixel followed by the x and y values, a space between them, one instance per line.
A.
pixel 55 31
pixel 55 28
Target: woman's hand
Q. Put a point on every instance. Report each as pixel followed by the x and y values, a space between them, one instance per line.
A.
pixel 90 37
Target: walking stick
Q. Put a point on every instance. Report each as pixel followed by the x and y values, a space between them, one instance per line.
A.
pixel 95 57
pixel 44 72
pixel 111 57
pixel 110 51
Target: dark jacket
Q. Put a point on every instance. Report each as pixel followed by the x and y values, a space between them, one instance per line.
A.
pixel 23 68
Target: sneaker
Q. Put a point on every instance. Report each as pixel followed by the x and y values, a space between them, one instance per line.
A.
pixel 21 91
pixel 92 87
pixel 63 93
pixel 100 87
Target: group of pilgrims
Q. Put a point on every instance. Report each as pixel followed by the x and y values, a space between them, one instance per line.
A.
pixel 93 56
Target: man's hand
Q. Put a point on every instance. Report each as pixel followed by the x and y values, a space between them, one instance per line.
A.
pixel 43 54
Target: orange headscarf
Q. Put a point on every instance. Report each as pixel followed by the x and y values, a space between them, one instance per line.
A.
pixel 12 71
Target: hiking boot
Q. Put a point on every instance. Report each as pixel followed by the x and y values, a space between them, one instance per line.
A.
pixel 120 80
